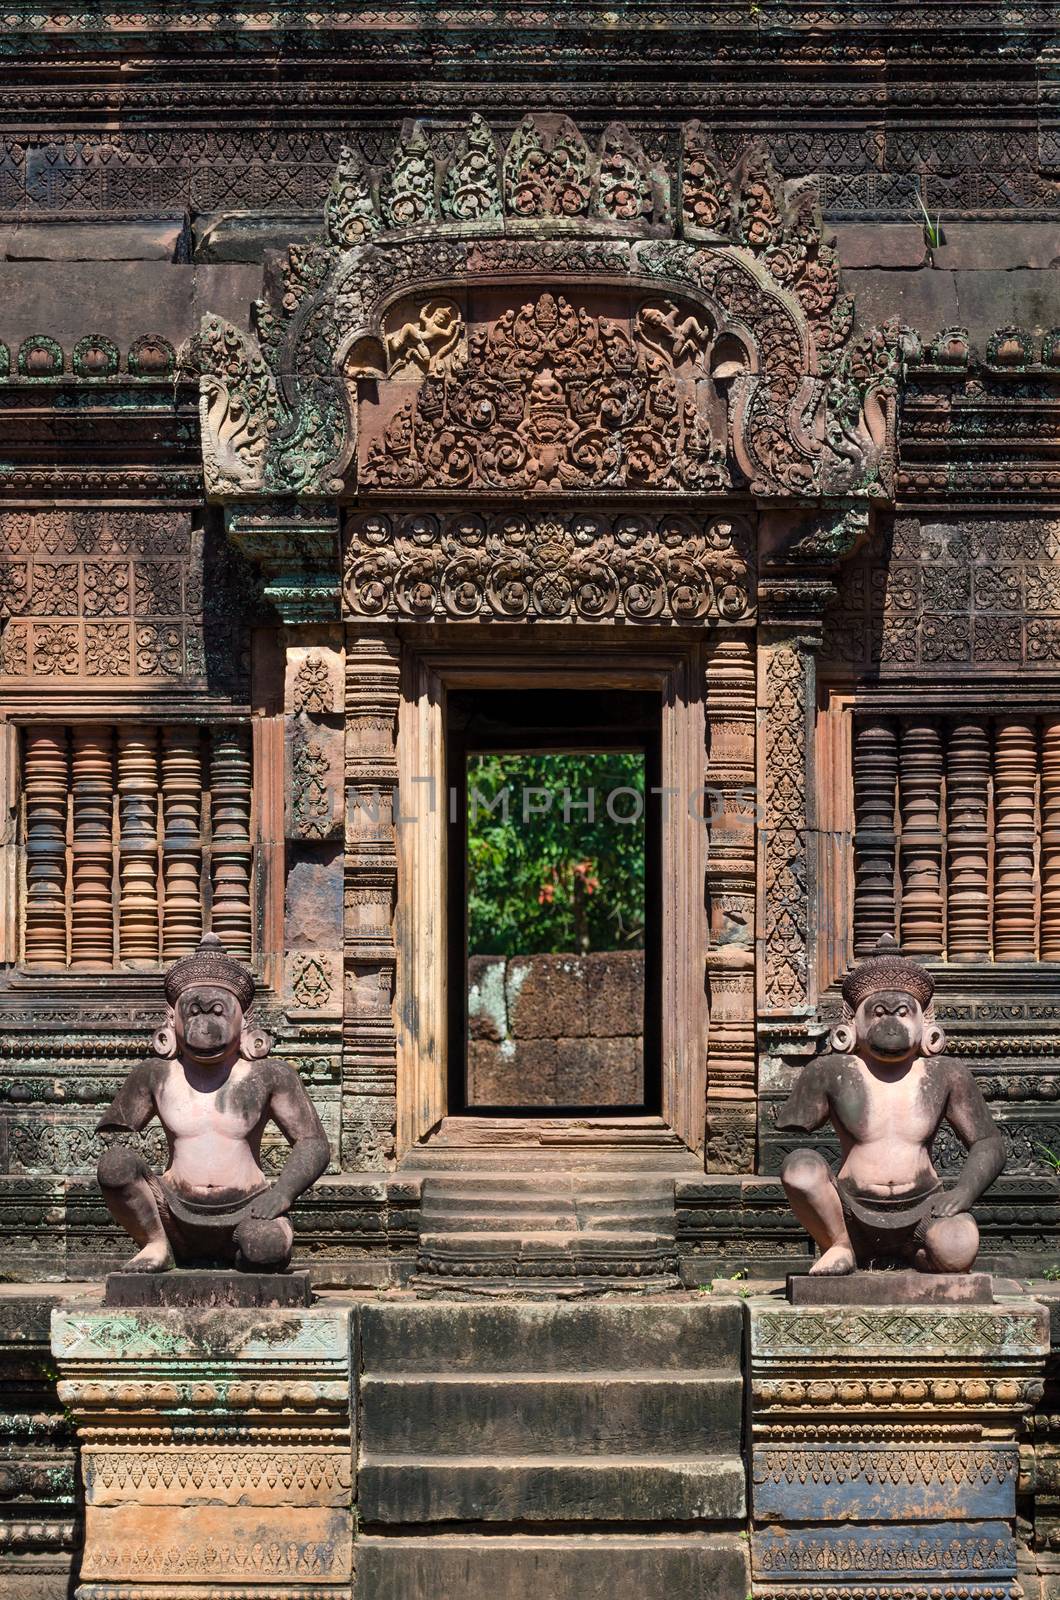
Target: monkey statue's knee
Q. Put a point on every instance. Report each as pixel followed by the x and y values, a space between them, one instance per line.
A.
pixel 803 1172
pixel 118 1167
pixel 264 1243
pixel 951 1244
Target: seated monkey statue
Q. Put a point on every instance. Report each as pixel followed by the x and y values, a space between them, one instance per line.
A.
pixel 213 1089
pixel 886 1088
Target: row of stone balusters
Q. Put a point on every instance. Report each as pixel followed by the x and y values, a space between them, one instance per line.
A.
pixel 134 836
pixel 957 836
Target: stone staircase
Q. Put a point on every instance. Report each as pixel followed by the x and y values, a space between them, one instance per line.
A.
pixel 552 1232
pixel 566 1450
pixel 548 1206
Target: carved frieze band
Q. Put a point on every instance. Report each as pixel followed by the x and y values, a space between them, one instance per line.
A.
pixel 518 566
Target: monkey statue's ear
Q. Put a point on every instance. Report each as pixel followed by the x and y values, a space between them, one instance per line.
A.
pixel 843 1038
pixel 934 1040
pixel 254 1044
pixel 164 1040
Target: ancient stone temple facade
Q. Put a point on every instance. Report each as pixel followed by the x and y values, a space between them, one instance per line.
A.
pixel 691 371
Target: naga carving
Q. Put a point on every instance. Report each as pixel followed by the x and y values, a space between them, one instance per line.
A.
pixel 728 364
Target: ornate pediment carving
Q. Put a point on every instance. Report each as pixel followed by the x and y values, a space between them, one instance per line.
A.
pixel 511 565
pixel 559 314
pixel 555 395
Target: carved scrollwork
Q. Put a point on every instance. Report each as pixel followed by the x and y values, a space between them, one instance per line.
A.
pixel 511 566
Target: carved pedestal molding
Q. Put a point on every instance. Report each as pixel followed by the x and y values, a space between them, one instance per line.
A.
pixel 216 1452
pixel 884 1455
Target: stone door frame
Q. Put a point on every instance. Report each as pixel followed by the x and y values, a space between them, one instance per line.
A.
pixel 445 660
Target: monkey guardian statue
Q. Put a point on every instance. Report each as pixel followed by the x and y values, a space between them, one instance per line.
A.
pixel 213 1092
pixel 886 1088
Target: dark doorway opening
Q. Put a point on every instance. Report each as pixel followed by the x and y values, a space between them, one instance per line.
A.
pixel 554 902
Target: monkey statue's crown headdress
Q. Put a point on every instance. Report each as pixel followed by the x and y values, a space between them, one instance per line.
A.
pixel 887 968
pixel 209 964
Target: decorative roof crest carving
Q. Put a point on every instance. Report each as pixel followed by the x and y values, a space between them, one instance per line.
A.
pixel 736 252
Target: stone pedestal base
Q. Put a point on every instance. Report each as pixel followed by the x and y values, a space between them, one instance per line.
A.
pixel 191 1287
pixel 884 1454
pixel 892 1289
pixel 215 1451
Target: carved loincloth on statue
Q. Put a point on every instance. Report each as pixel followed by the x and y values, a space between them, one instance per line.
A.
pixel 884 1228
pixel 200 1230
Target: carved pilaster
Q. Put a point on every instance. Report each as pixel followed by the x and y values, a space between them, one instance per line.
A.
pixel 47 781
pixel 138 844
pixel 967 855
pixel 730 715
pixel 231 773
pixel 182 783
pixel 369 1039
pixel 92 911
pixel 875 784
pixel 920 801
pixel 1049 938
pixel 1015 773
pixel 791 605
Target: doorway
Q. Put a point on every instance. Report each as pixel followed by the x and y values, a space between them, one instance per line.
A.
pixel 554 902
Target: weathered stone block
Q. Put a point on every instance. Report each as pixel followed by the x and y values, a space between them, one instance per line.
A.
pixel 487 1006
pixel 547 997
pixel 556 1566
pixel 206 1288
pixel 589 1490
pixel 513 1073
pixel 890 245
pixel 599 1072
pixel 615 985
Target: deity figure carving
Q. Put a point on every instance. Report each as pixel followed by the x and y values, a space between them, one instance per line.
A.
pixel 886 1087
pixel 423 345
pixel 213 1089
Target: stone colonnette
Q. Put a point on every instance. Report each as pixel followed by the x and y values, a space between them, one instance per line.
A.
pixel 215 1451
pixel 884 1456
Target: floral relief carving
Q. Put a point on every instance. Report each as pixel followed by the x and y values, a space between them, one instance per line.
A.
pixel 312 686
pixel 590 567
pixel 312 981
pixel 107 653
pixel 158 588
pixel 547 169
pixel 106 588
pixel 56 651
pixel 159 650
pixel 310 794
pixel 55 589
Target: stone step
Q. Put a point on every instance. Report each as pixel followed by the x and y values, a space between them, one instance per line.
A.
pixel 694 1335
pixel 530 1242
pixel 623 1413
pixel 552 1567
pixel 439 1219
pixel 408 1489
